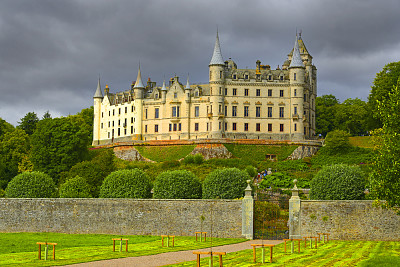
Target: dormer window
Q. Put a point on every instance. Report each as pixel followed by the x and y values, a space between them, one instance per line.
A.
pixel 156 96
pixel 234 76
pixel 281 78
pixel 269 77
pixel 246 76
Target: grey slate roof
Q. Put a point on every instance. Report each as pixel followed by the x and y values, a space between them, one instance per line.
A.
pixel 217 56
pixel 296 58
pixel 98 93
pixel 164 88
pixel 139 83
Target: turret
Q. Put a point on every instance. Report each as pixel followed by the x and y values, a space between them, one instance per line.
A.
pixel 187 90
pixel 138 91
pixel 97 99
pixel 217 64
pixel 139 87
pixel 163 93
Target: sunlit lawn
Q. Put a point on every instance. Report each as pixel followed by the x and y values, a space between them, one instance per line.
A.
pixel 20 249
pixel 333 253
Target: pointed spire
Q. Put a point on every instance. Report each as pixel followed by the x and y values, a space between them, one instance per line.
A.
pixel 139 83
pixel 98 93
pixel 187 83
pixel 217 56
pixel 296 58
pixel 163 88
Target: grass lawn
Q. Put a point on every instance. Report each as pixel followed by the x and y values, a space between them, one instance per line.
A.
pixel 334 253
pixel 20 249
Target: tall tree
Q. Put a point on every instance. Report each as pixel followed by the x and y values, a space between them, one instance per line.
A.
pixel 28 123
pixel 58 144
pixel 5 127
pixel 46 115
pixel 352 116
pixel 325 108
pixel 382 85
pixel 385 182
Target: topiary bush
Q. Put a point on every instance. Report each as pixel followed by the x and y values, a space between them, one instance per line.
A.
pixel 31 185
pixel 338 182
pixel 75 188
pixel 225 184
pixel 252 171
pixel 126 184
pixel 337 142
pixel 179 184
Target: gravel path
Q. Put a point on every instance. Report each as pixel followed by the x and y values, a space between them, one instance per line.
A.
pixel 170 257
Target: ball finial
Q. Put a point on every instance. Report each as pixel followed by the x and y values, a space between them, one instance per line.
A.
pixel 295 181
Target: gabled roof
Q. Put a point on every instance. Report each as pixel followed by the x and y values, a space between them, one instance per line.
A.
pixel 296 58
pixel 98 93
pixel 217 56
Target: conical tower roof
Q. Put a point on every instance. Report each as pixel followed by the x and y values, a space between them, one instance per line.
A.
pixel 296 58
pixel 187 84
pixel 98 93
pixel 139 83
pixel 217 56
pixel 163 88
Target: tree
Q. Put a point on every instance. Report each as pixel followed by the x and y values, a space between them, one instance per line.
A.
pixel 126 184
pixel 352 116
pixel 325 108
pixel 75 188
pixel 384 178
pixel 179 184
pixel 5 127
pixel 337 142
pixel 31 185
pixel 28 123
pixel 58 144
pixel 338 182
pixel 225 184
pixel 46 115
pixel 383 84
pixel 13 148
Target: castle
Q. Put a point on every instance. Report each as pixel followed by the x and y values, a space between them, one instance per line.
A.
pixel 258 103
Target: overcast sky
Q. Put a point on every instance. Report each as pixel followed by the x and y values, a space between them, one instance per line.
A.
pixel 52 52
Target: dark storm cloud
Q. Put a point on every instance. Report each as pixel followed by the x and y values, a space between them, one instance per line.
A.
pixel 51 52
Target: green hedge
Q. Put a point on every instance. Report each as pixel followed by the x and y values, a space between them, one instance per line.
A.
pixel 126 184
pixel 225 184
pixel 75 188
pixel 31 185
pixel 179 184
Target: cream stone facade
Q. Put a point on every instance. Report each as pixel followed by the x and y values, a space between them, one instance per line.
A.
pixel 258 103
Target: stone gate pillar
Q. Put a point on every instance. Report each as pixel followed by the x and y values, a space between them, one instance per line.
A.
pixel 294 213
pixel 247 212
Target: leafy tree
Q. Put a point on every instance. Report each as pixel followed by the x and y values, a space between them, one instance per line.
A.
pixel 126 184
pixel 338 182
pixel 46 115
pixel 28 123
pixel 252 171
pixel 5 127
pixel 383 84
pixel 58 144
pixel 337 142
pixel 352 116
pixel 384 178
pixel 325 108
pixel 225 184
pixel 13 148
pixel 179 184
pixel 31 185
pixel 75 188
pixel 87 115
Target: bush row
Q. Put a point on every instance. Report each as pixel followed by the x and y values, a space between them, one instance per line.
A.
pixel 228 183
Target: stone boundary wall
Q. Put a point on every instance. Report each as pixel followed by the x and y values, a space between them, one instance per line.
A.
pixel 349 220
pixel 121 216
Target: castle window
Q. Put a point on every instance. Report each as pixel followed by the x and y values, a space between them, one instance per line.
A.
pixel 258 112
pixel 295 127
pixel 175 95
pixel 175 111
pixel 124 131
pixel 281 78
pixel 108 124
pixel 179 127
pixel 119 122
pixel 196 94
pixel 258 92
pixel 246 92
pixel 119 131
pixel 234 126
pixel 269 127
pixel 281 93
pixel 269 92
pixel 234 111
pixel 234 91
pixel 113 112
pixel 258 127
pixel 220 74
pixel 112 134
pixel 101 125
pixel 220 109
pixel 156 128
pixel 269 112
pixel 246 77
pixel 246 111
pixel 145 112
pixel 119 111
pixel 132 109
pixel 108 134
pixel 234 76
pixel 226 91
pixel 226 111
pixel 281 112
pixel 145 128
pixel 196 111
pixel 156 96
pixel 196 127
pixel 175 127
pixel 170 127
pixel 207 126
pixel 102 115
pixel 219 126
pixel 113 123
pixel 269 77
pixel 131 129
pixel 295 92
pixel 295 110
pixel 109 113
pixel 125 123
pixel 131 119
pixel 305 97
pixel 156 113
pixel 246 127
pixel 281 127
pixel 226 126
pixel 220 90
pixel 126 109
pixel 294 76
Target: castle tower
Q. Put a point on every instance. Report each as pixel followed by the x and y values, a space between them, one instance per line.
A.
pixel 297 82
pixel 188 92
pixel 217 89
pixel 97 99
pixel 138 102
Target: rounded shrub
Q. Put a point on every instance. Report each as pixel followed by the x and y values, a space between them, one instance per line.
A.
pixel 126 184
pixel 252 171
pixel 75 188
pixel 31 185
pixel 198 159
pixel 179 184
pixel 189 159
pixel 226 183
pixel 337 142
pixel 338 182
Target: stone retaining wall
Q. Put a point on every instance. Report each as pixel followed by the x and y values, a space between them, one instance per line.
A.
pixel 349 220
pixel 121 216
